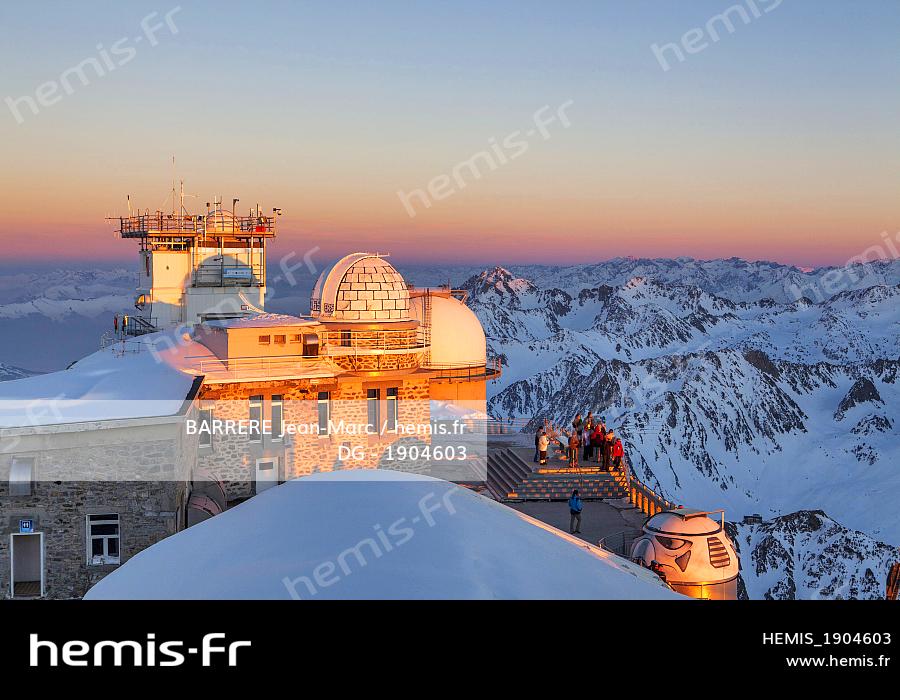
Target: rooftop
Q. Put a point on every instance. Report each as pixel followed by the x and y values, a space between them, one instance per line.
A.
pixel 265 320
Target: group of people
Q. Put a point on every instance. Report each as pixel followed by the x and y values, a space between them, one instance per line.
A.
pixel 589 437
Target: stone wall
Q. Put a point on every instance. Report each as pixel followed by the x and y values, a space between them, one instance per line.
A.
pixel 153 463
pixel 232 457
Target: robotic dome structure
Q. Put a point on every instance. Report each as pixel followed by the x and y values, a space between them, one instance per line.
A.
pixel 691 551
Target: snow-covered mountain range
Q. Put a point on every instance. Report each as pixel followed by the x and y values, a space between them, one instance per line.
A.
pixel 8 373
pixel 808 555
pixel 727 388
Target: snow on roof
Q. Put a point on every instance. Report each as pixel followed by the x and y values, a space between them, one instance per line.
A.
pixel 260 321
pixel 140 378
pixel 365 534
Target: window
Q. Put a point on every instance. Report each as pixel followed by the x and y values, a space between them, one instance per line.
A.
pixel 280 339
pixel 373 399
pixel 103 538
pixel 256 417
pixel 296 338
pixel 21 476
pixel 277 418
pixel 265 339
pixel 392 394
pixel 346 339
pixel 310 345
pixel 204 427
pixel 324 411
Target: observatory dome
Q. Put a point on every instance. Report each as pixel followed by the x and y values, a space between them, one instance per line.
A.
pixel 220 221
pixel 360 287
pixel 692 551
pixel 457 338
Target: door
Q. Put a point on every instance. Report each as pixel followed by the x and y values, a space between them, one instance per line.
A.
pixel 266 473
pixel 26 565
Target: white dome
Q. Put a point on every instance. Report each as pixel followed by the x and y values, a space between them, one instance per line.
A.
pixel 220 221
pixel 360 287
pixel 457 338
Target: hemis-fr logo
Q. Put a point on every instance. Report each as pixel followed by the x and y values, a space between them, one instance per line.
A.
pixel 213 650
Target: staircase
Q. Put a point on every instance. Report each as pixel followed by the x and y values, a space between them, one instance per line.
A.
pixel 510 478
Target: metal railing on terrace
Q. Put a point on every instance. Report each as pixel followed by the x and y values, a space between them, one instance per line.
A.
pixel 192 225
pixel 489 370
pixel 343 342
pixel 240 368
pixel 221 274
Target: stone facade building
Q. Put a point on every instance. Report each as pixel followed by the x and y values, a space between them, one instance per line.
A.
pixel 155 433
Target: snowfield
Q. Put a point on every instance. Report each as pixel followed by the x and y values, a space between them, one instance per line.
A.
pixel 375 535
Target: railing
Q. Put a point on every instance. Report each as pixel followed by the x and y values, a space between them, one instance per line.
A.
pixel 218 274
pixel 369 341
pixel 620 542
pixel 160 223
pixel 640 495
pixel 256 367
pixel 489 370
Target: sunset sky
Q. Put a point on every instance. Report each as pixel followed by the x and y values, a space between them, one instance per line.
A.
pixel 779 141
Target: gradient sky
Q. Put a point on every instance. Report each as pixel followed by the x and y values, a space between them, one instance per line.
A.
pixel 779 141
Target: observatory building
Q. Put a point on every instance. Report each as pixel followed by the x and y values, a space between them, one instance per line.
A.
pixel 202 399
pixel 691 551
pixel 198 267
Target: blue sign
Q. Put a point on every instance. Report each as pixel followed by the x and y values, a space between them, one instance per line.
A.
pixel 26 527
pixel 237 273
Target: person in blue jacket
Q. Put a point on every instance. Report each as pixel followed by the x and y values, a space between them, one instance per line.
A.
pixel 575 506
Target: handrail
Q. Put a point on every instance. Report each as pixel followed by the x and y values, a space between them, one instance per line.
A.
pixel 212 367
pixel 160 223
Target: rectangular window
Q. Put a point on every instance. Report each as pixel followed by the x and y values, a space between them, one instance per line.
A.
pixel 310 345
pixel 280 340
pixel 296 338
pixel 21 476
pixel 103 539
pixel 265 339
pixel 256 417
pixel 373 405
pixel 346 339
pixel 324 411
pixel 277 418
pixel 392 405
pixel 204 427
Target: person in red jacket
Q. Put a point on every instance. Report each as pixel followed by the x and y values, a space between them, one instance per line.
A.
pixel 617 453
pixel 597 438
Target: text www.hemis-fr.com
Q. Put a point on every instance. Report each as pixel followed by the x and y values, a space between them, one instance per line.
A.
pixel 838 661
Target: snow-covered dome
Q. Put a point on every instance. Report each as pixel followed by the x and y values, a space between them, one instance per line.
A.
pixel 291 542
pixel 360 287
pixel 457 338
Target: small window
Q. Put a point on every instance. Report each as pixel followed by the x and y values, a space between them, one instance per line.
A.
pixel 373 401
pixel 280 339
pixel 324 411
pixel 265 339
pixel 310 345
pixel 346 339
pixel 391 400
pixel 21 476
pixel 103 539
pixel 296 338
pixel 277 418
pixel 256 417
pixel 204 427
